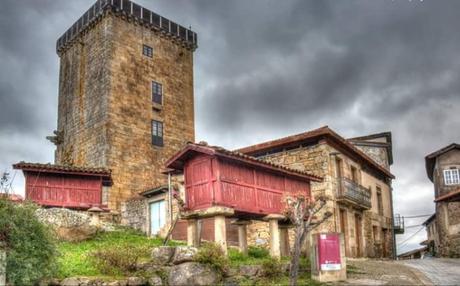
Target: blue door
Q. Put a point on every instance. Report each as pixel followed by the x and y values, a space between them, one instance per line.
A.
pixel 157 216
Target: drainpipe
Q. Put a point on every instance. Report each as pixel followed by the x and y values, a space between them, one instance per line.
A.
pixel 170 198
pixel 392 223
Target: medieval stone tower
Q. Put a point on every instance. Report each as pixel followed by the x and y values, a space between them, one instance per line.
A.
pixel 125 94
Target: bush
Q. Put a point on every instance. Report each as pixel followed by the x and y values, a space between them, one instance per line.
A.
pixel 30 248
pixel 272 268
pixel 258 252
pixel 212 254
pixel 120 259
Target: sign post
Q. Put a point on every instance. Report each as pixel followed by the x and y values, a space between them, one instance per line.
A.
pixel 2 264
pixel 328 261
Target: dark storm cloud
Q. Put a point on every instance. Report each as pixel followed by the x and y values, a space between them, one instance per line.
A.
pixel 266 69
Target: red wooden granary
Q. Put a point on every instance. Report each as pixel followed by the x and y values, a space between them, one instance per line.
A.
pixel 65 186
pixel 251 187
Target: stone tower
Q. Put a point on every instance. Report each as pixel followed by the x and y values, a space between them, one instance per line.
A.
pixel 125 94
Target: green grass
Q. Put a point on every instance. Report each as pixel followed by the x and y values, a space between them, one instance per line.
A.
pixel 75 257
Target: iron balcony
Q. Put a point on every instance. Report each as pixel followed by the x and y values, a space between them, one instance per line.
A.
pixel 352 193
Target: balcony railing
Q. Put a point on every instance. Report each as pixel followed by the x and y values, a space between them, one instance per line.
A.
pixel 398 224
pixel 351 192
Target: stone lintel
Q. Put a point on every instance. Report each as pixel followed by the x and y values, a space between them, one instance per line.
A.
pixel 274 216
pixel 209 212
pixel 241 222
pixel 285 225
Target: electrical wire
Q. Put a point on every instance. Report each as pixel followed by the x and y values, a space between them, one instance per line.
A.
pixel 410 236
pixel 417 216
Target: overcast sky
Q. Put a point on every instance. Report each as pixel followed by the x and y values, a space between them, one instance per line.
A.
pixel 266 69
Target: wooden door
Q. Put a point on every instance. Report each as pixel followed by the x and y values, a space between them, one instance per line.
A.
pixel 344 229
pixel 384 242
pixel 358 235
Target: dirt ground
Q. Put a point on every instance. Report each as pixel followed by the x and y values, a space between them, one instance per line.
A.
pixel 379 272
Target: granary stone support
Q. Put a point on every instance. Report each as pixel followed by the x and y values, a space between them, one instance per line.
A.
pixel 284 239
pixel 275 240
pixel 192 232
pixel 220 230
pixel 242 235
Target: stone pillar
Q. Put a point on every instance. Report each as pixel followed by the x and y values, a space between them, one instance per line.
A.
pixel 275 246
pixel 2 264
pixel 220 232
pixel 284 240
pixel 192 232
pixel 242 235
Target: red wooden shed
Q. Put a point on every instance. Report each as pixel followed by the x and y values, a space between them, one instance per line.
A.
pixel 65 186
pixel 252 187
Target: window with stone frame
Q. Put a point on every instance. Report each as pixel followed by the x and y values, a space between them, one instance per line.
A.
pixel 379 200
pixel 157 133
pixel 452 176
pixel 147 51
pixel 157 92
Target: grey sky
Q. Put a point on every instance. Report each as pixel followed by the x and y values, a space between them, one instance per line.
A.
pixel 266 69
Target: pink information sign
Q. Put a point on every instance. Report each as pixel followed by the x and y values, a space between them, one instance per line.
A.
pixel 329 252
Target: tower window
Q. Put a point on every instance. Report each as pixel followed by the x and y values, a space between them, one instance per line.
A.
pixel 157 133
pixel 452 177
pixel 157 92
pixel 147 51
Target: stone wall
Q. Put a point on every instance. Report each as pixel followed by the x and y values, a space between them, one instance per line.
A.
pixel 73 225
pixel 447 213
pixel 105 104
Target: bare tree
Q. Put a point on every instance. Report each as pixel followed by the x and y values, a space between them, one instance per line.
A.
pixel 302 212
pixel 181 206
pixel 5 183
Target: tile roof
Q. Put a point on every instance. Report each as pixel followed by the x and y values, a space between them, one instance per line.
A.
pixel 202 147
pixel 324 131
pixel 53 168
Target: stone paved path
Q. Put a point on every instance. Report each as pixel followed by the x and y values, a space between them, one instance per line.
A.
pixel 441 271
pixel 378 272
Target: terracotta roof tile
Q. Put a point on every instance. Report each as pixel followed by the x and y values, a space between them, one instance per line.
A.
pixel 61 168
pixel 220 151
pixel 316 133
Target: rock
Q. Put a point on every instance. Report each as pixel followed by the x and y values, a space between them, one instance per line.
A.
pixel 113 283
pixel 49 282
pixel 70 225
pixel 162 255
pixel 184 254
pixel 232 271
pixel 250 270
pixel 155 281
pixel 123 282
pixel 86 282
pixel 193 273
pixel 136 281
pixel 231 282
pixel 70 282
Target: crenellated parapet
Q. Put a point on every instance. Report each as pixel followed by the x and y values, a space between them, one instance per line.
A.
pixel 131 12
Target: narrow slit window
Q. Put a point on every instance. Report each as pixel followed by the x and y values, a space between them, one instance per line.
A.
pixel 157 133
pixel 147 51
pixel 157 92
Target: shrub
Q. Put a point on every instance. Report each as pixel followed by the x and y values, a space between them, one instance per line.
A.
pixel 258 252
pixel 30 248
pixel 120 259
pixel 212 254
pixel 272 268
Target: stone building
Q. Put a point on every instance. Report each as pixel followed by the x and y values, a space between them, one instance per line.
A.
pixel 357 179
pixel 126 99
pixel 432 235
pixel 443 169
